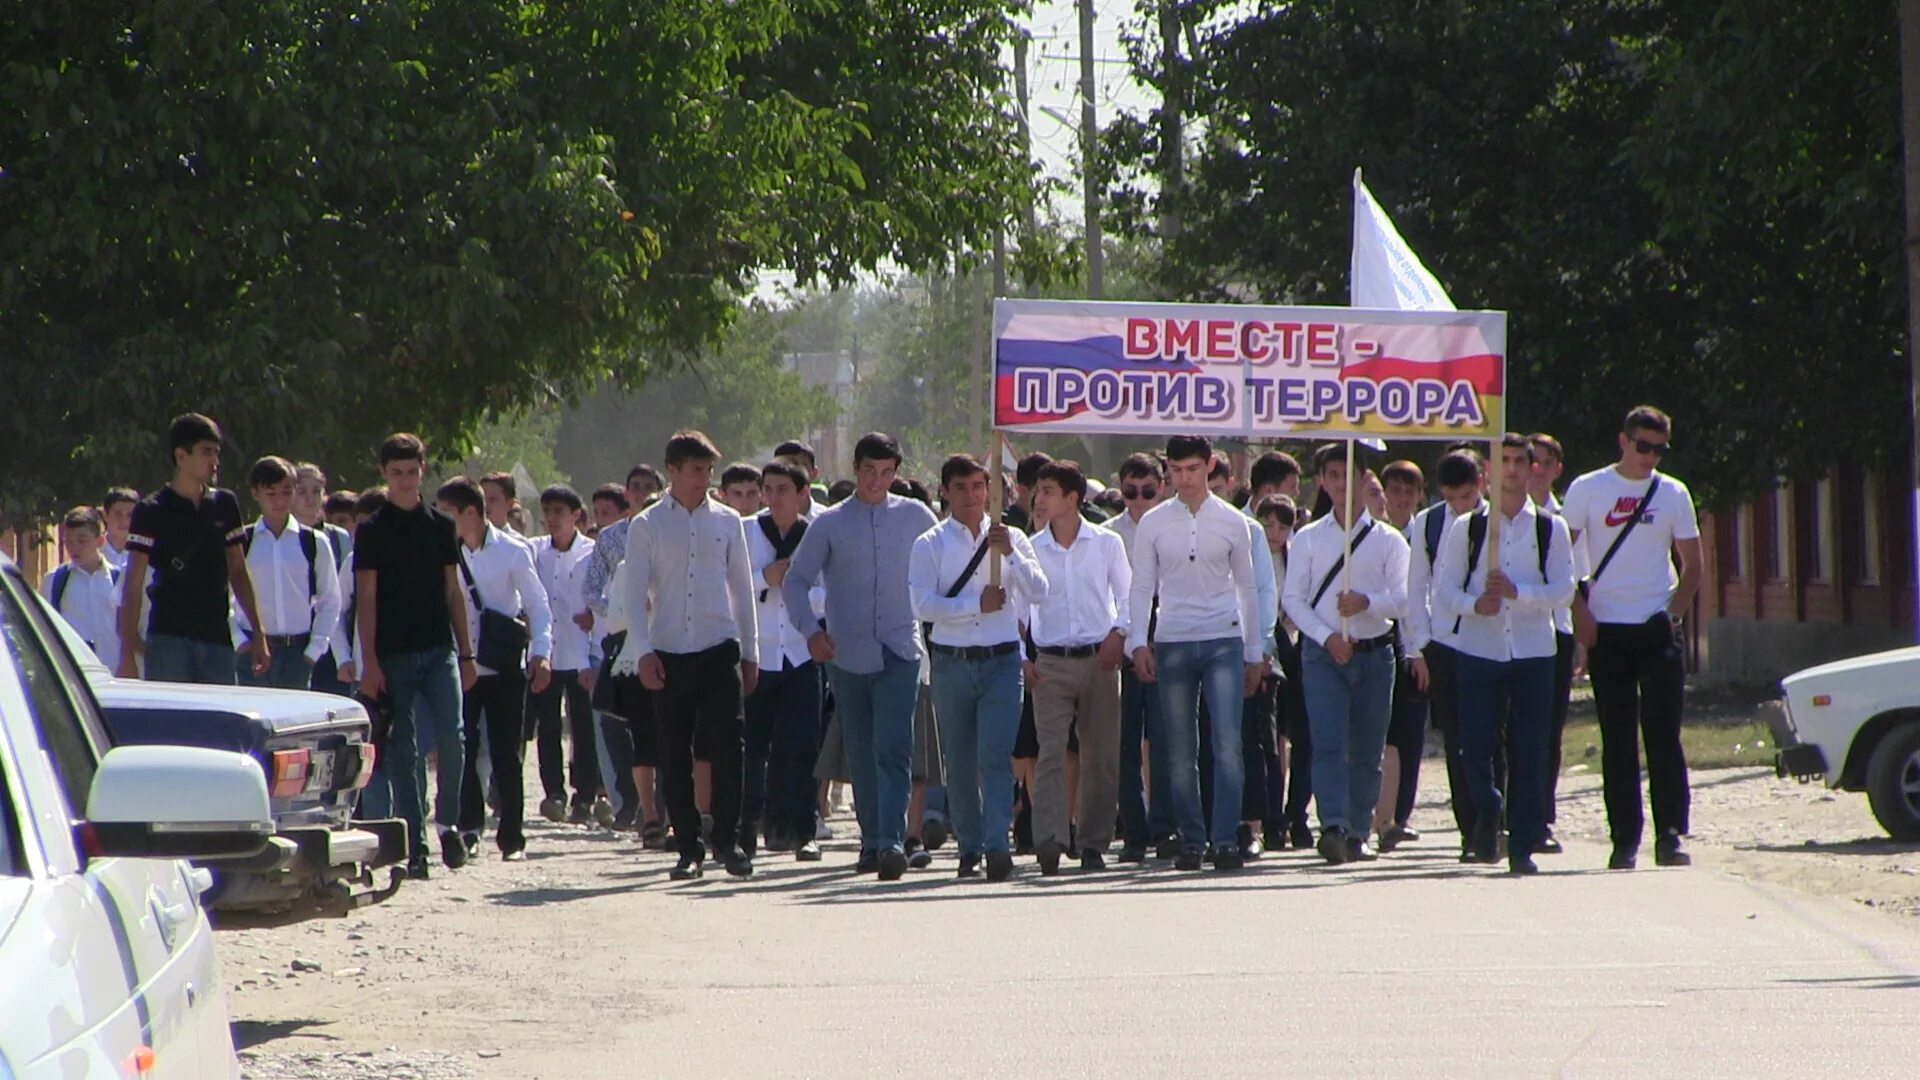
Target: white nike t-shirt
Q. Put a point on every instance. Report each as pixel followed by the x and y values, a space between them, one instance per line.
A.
pixel 1640 580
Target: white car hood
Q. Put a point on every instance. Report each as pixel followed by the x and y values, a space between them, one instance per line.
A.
pixel 1879 664
pixel 13 897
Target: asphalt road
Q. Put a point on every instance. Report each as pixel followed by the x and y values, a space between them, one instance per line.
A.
pixel 586 962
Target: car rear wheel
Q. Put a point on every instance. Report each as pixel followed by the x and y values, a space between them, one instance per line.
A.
pixel 1893 782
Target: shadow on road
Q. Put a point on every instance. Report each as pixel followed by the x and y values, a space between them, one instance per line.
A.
pixel 1863 982
pixel 251 1033
pixel 1865 845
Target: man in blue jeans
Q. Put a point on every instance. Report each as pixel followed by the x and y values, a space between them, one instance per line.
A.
pixel 975 644
pixel 1502 607
pixel 870 641
pixel 1344 613
pixel 1195 553
pixel 1146 816
pixel 189 535
pixel 410 608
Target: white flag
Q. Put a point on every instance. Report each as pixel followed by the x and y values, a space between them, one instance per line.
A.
pixel 1386 273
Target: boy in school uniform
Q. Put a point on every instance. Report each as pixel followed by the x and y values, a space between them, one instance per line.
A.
pixel 297 581
pixel 85 588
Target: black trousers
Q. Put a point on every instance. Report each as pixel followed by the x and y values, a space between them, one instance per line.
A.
pixel 544 712
pixel 1639 690
pixel 782 746
pixel 1443 705
pixel 701 705
pixel 1407 734
pixel 1562 697
pixel 496 707
pixel 1291 710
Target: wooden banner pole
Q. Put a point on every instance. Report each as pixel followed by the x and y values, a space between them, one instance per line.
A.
pixel 996 501
pixel 1346 538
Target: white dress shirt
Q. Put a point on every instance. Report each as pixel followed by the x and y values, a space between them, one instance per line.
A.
pixel 1524 627
pixel 941 555
pixel 114 555
pixel 562 573
pixel 1087 588
pixel 1266 583
pixel 278 567
pixel 1200 564
pixel 1379 567
pixel 782 641
pixel 91 605
pixel 689 581
pixel 504 576
pixel 1419 626
pixel 1563 615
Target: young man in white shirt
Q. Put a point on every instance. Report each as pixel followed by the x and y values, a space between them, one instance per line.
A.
pixel 310 509
pixel 1503 615
pixel 1196 553
pixel 783 713
pixel 1432 662
pixel 1405 488
pixel 501 491
pixel 85 588
pixel 499 577
pixel 1548 464
pixel 561 558
pixel 1632 519
pixel 296 585
pixel 1347 656
pixel 1079 631
pixel 975 647
pixel 690 601
pixel 1145 818
pixel 116 512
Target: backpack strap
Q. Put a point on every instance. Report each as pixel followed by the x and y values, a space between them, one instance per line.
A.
pixel 1476 542
pixel 1543 539
pixel 1436 526
pixel 310 547
pixel 61 575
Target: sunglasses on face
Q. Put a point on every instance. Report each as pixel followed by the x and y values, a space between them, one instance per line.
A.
pixel 1132 492
pixel 1657 449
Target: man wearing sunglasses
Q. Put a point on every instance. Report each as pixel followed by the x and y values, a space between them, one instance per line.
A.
pixel 1143 819
pixel 1628 613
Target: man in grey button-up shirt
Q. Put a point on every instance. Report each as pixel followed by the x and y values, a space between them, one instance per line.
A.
pixel 870 642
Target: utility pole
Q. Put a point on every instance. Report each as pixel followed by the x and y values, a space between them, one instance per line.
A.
pixel 1910 139
pixel 1090 155
pixel 1029 216
pixel 1172 123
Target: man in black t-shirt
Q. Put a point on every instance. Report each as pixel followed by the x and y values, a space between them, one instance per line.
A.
pixel 189 534
pixel 409 610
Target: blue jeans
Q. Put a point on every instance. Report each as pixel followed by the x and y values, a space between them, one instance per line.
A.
pixel 978 702
pixel 615 751
pixel 287 669
pixel 1516 694
pixel 1348 708
pixel 875 711
pixel 1187 669
pixel 186 660
pixel 425 690
pixel 1145 815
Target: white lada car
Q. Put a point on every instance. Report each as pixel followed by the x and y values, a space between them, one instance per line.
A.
pixel 1856 723
pixel 107 965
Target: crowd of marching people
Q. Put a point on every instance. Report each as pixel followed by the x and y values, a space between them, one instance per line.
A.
pixel 1191 665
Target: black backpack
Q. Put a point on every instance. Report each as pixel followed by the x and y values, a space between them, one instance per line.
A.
pixel 1477 540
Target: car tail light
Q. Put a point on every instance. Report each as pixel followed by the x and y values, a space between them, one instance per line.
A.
pixel 368 756
pixel 290 771
pixel 1821 701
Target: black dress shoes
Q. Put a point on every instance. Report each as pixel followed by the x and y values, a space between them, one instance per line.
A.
pixel 969 866
pixel 1333 845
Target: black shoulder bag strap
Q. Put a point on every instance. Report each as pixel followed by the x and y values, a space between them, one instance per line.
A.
pixel 473 589
pixel 1327 582
pixel 782 548
pixel 1621 537
pixel 966 575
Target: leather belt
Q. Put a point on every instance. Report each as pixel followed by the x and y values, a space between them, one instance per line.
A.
pixel 1071 652
pixel 287 641
pixel 974 652
pixel 1384 641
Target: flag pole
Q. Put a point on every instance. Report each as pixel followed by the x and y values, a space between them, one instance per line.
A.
pixel 996 500
pixel 1346 538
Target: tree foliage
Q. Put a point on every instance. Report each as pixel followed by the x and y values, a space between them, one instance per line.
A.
pixel 319 222
pixel 1695 205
